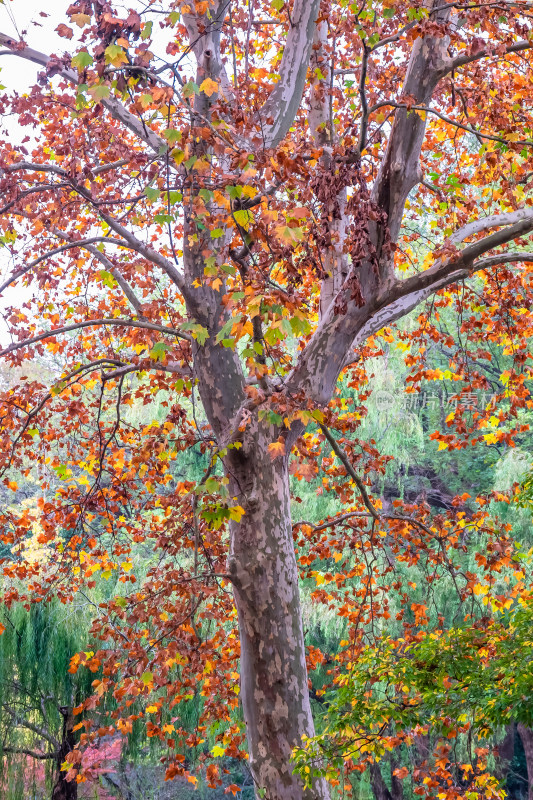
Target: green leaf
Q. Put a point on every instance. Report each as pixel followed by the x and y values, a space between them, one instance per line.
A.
pixel 147 30
pixel 107 279
pixel 175 197
pixel 191 88
pixel 115 54
pixel 147 677
pixel 99 92
pixel 121 602
pixel 81 60
pixel 198 332
pixel 151 193
pixel 243 218
pixel 172 136
pixel 159 350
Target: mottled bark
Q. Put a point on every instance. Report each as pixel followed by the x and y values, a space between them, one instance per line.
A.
pixel 526 734
pixel 262 564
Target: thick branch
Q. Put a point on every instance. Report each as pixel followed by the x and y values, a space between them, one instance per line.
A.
pixel 460 61
pixel 493 221
pixel 279 111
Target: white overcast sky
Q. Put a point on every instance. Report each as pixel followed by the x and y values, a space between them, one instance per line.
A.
pixel 18 75
pixel 18 15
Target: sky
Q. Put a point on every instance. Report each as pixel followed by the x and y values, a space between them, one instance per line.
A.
pixel 20 15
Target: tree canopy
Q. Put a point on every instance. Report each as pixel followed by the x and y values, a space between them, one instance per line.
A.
pixel 219 218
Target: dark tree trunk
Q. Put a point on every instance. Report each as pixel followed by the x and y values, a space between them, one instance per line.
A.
pixel 64 789
pixel 379 787
pixel 505 753
pixel 526 734
pixel 396 783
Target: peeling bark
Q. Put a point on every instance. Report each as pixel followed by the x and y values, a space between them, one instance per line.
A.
pixel 263 567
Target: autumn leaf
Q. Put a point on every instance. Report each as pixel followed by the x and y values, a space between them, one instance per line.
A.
pixel 277 449
pixel 80 19
pixel 65 31
pixel 209 87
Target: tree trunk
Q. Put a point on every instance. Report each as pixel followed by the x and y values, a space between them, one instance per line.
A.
pixel 63 789
pixel 505 753
pixel 379 787
pixel 262 563
pixel 526 734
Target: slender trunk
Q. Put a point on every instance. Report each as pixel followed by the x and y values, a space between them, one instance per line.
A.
pixel 63 789
pixel 526 734
pixel 396 783
pixel 262 562
pixel 505 753
pixel 379 787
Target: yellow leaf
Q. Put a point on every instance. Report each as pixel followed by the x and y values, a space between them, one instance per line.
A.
pixel 480 589
pixel 151 709
pixel 209 87
pixel 80 19
pixel 126 566
pixel 218 751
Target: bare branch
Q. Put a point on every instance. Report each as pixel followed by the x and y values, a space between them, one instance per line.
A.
pixel 460 61
pixel 115 108
pixel 55 252
pixel 127 323
pixel 492 221
pixel 31 753
pixel 350 470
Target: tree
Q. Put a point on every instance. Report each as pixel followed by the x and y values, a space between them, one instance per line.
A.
pixel 229 212
pixel 37 694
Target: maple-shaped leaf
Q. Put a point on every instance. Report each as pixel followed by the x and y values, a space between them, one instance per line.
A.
pixel 99 92
pixel 209 87
pixel 233 788
pixel 276 449
pixel 65 31
pixel 289 236
pixel 81 60
pixel 81 19
pixel 116 55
